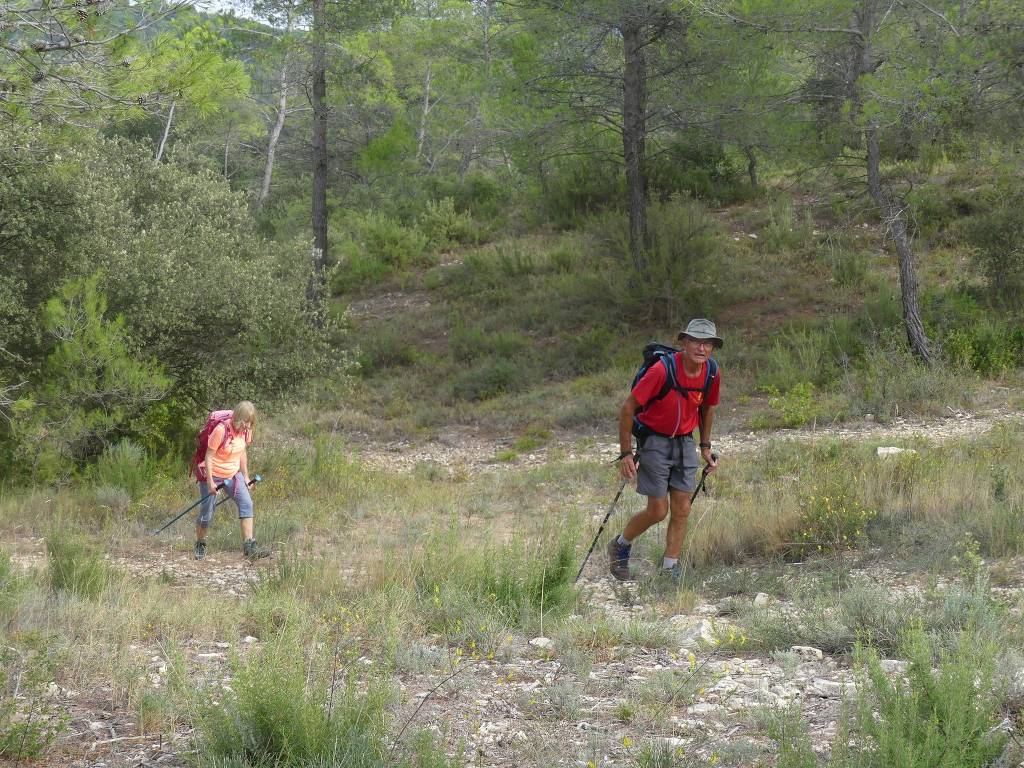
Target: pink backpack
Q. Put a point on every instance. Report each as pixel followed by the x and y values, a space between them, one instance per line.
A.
pixel 198 465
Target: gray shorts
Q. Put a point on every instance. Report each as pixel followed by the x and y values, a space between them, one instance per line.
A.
pixel 667 462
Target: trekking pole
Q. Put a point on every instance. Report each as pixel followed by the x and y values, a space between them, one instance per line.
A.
pixel 195 504
pixel 689 538
pixel 703 477
pixel 604 522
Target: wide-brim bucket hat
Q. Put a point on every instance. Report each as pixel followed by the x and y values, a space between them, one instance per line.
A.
pixel 702 329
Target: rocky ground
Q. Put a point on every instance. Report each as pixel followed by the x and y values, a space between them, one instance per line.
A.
pixel 539 701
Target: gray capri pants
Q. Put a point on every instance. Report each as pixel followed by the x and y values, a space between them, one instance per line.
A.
pixel 236 488
pixel 667 462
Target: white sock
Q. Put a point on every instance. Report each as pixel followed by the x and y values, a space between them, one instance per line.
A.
pixel 668 562
pixel 624 541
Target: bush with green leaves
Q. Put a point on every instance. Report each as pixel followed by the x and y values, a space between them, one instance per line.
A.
pixel 91 386
pixel 444 226
pixel 29 723
pixel 684 268
pixel 945 715
pixel 197 287
pixel 998 238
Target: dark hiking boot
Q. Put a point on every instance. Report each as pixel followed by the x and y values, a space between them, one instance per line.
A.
pixel 253 551
pixel 618 560
pixel 200 550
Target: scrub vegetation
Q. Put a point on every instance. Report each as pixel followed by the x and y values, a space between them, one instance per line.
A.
pixel 429 240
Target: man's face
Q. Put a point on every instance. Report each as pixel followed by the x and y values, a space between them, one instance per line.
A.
pixel 697 349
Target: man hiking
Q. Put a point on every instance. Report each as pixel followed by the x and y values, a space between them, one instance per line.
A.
pixel 663 414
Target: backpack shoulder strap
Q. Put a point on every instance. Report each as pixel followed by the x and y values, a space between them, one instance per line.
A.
pixel 670 377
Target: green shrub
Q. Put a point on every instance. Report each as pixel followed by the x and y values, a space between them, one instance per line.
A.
pixel 390 243
pixel 489 377
pixel 999 239
pixel 831 519
pixel 92 385
pixel 699 167
pixel 76 566
pixel 796 407
pixel 472 342
pixel 942 717
pixel 989 346
pixel 577 186
pixel 29 723
pixel 787 728
pixel 684 268
pixel 124 465
pixel 784 233
pixel 12 586
pixel 443 226
pixel 279 713
pixel 388 347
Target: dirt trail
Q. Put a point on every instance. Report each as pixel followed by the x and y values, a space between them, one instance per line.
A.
pixel 469 451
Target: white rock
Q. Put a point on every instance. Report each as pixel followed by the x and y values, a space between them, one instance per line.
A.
pixel 807 652
pixel 704 708
pixel 542 642
pixel 701 633
pixel 892 450
pixel 248 639
pixel 893 666
pixel 761 600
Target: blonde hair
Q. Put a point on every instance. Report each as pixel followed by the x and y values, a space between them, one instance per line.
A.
pixel 244 413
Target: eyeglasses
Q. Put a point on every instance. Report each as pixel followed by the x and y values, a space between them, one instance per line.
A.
pixel 708 343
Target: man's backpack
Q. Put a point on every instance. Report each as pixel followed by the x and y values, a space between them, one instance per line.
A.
pixel 664 354
pixel 198 465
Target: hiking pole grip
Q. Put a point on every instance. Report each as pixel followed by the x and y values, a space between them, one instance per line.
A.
pixel 703 477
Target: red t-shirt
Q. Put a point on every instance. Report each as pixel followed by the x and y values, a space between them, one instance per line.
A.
pixel 676 413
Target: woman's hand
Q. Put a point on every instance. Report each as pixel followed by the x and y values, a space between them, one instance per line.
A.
pixel 211 486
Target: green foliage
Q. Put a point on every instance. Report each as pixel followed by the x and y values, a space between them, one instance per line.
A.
pixel 998 237
pixel 124 465
pixel 489 377
pixel 76 566
pixel 281 714
pixel 795 408
pixel 470 342
pixel 389 348
pixel 989 346
pixel 831 519
pixel 459 583
pixel 685 260
pixel 12 586
pixel 92 387
pixel 786 727
pixel 443 226
pixel 942 717
pixel 29 723
pixel 178 251
pixel 576 187
pixel 699 167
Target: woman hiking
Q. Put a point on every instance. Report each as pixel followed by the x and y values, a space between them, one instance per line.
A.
pixel 226 463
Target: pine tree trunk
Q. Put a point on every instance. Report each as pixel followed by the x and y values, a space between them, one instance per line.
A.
pixel 167 131
pixel 422 138
pixel 892 210
pixel 275 136
pixel 634 135
pixel 318 98
pixel 751 165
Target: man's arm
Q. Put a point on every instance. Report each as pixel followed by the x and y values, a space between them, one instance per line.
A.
pixel 707 419
pixel 627 467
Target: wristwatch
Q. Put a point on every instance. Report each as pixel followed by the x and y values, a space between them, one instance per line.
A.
pixel 705 445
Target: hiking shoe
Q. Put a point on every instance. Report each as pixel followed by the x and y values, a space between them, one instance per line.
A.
pixel 618 560
pixel 669 578
pixel 200 550
pixel 253 551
